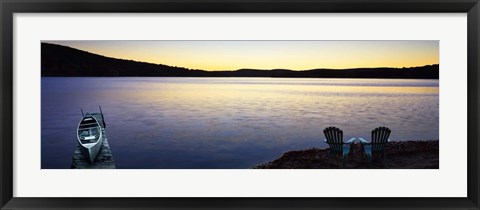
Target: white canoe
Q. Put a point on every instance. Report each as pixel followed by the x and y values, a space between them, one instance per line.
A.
pixel 89 135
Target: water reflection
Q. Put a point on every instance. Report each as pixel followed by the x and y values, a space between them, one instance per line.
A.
pixel 229 122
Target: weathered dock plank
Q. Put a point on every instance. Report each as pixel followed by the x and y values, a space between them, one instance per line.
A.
pixel 104 159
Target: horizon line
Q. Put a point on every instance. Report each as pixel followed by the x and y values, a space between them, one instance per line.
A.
pixel 243 68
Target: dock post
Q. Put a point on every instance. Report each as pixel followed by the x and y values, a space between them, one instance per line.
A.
pixel 104 159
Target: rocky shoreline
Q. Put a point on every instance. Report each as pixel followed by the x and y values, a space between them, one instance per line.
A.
pixel 398 155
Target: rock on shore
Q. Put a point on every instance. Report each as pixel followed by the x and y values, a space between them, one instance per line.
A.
pixel 398 155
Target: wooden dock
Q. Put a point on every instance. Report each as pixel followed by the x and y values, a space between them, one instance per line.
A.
pixel 104 159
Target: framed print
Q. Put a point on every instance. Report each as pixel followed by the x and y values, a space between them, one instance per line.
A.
pixel 239 105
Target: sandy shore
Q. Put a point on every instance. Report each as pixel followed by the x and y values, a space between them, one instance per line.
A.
pixel 399 155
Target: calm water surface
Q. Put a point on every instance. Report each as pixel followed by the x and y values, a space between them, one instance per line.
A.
pixel 228 122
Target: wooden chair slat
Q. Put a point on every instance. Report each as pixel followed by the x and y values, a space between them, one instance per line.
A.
pixel 334 138
pixel 379 138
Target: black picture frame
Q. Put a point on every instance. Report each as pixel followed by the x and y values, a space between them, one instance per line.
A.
pixel 10 7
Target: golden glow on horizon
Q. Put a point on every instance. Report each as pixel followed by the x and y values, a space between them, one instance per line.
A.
pixel 295 55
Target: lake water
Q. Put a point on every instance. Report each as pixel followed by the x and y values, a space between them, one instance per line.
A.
pixel 162 123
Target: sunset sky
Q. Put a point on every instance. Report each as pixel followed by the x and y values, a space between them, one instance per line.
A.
pixel 295 55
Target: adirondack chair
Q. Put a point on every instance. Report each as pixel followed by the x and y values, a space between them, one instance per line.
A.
pixel 334 139
pixel 377 144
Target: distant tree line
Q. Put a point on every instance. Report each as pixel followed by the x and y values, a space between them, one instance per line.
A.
pixel 61 61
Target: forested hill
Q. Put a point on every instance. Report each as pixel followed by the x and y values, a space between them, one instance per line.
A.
pixel 61 61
